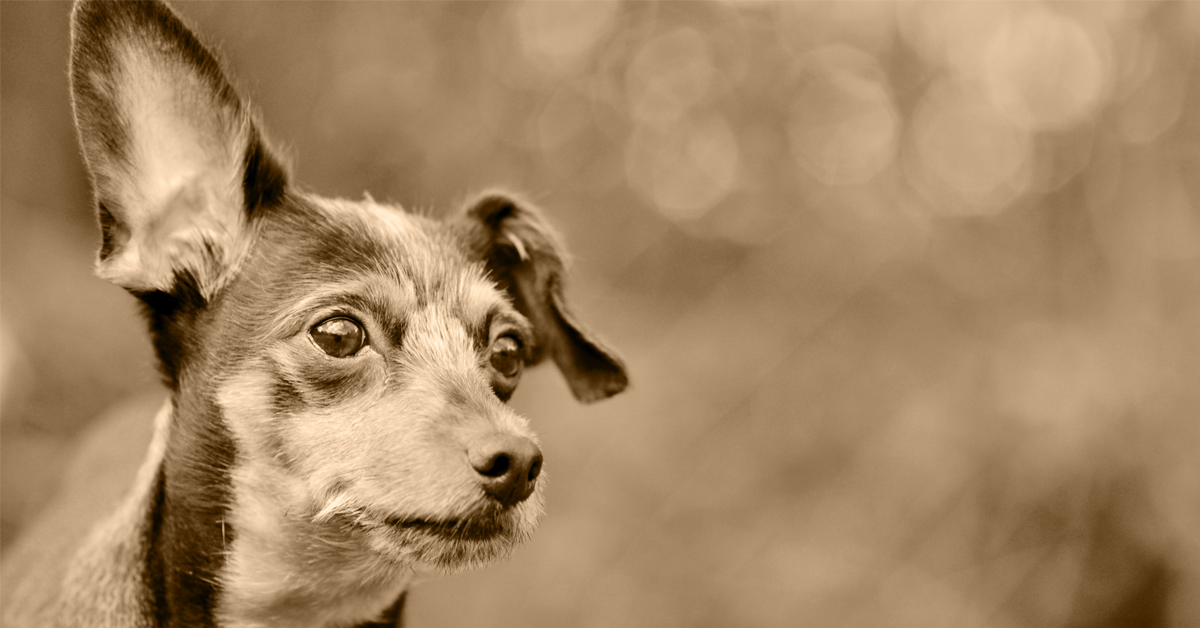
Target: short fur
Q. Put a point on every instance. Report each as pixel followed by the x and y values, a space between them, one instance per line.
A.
pixel 286 486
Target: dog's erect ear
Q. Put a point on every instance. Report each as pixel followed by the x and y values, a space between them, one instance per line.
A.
pixel 176 161
pixel 524 256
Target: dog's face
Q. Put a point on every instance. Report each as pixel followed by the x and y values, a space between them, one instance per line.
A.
pixel 339 369
pixel 364 354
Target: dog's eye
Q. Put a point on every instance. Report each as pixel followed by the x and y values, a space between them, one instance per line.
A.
pixel 506 356
pixel 339 337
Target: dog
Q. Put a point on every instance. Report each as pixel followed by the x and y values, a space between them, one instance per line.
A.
pixel 338 371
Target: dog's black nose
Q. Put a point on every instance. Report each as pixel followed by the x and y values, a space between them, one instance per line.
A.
pixel 508 466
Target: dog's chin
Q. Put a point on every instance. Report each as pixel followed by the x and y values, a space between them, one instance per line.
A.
pixel 487 534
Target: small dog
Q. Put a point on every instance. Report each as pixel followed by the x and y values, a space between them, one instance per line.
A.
pixel 338 370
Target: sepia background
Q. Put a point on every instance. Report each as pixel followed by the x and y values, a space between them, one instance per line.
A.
pixel 910 293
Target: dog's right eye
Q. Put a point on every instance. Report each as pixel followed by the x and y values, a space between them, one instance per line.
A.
pixel 506 356
pixel 339 337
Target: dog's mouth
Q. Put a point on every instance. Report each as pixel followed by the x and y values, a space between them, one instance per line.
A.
pixel 472 537
pixel 487 522
pixel 477 527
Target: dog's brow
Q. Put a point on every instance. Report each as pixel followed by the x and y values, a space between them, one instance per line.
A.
pixel 389 308
pixel 479 299
pixel 500 314
pixel 481 330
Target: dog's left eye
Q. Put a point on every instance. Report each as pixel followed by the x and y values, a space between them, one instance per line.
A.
pixel 506 356
pixel 339 337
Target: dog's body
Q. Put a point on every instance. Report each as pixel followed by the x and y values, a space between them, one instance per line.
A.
pixel 336 423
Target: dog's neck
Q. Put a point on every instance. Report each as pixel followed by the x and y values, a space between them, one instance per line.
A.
pixel 187 536
pixel 204 562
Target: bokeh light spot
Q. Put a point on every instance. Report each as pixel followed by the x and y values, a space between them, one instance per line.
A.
pixel 1156 102
pixel 1062 384
pixel 1045 70
pixel 671 75
pixel 684 169
pixel 868 26
pixel 968 158
pixel 953 35
pixel 558 36
pixel 843 127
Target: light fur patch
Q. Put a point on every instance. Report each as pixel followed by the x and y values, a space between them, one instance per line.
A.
pixel 341 583
pixel 391 219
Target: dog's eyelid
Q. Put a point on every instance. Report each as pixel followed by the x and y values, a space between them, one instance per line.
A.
pixel 509 322
pixel 372 314
pixel 502 320
pixel 323 315
pixel 521 336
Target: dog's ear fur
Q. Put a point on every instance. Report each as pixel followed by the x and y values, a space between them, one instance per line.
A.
pixel 176 160
pixel 524 256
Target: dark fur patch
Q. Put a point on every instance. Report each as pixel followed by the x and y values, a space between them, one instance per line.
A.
pixel 155 607
pixel 335 245
pixel 185 540
pixel 173 317
pixel 196 505
pixel 285 397
pixel 265 180
pixel 108 227
pixel 481 331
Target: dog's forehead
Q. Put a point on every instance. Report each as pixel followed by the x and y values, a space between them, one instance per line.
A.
pixel 387 226
pixel 328 242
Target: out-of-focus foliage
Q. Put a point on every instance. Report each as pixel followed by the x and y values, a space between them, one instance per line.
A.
pixel 910 291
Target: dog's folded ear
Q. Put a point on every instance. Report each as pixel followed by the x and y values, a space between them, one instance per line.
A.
pixel 524 256
pixel 176 161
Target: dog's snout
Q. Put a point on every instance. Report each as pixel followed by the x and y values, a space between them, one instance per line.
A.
pixel 508 466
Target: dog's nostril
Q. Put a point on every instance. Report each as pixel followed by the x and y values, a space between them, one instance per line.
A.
pixel 508 465
pixel 535 469
pixel 495 467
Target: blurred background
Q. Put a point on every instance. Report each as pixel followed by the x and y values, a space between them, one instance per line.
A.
pixel 910 293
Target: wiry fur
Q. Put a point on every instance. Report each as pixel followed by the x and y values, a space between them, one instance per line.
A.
pixel 285 486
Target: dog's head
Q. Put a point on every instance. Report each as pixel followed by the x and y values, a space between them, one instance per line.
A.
pixel 356 358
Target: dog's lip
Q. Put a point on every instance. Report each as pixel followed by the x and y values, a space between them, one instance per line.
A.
pixel 420 523
pixel 477 527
